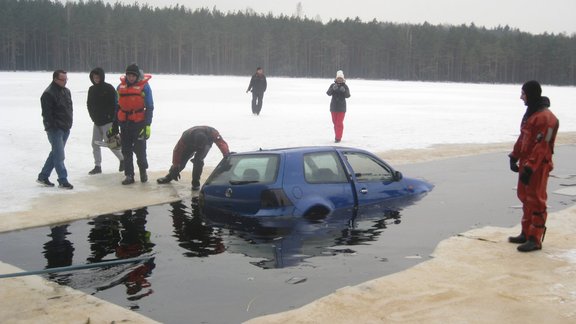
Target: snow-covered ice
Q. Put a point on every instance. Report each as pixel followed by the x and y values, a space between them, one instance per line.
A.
pixel 382 115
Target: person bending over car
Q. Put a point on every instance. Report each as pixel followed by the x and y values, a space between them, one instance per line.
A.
pixel 194 145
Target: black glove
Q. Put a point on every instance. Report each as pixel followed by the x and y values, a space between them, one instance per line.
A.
pixel 526 175
pixel 334 87
pixel 113 131
pixel 514 164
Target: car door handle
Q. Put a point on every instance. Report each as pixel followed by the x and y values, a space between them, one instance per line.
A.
pixel 363 191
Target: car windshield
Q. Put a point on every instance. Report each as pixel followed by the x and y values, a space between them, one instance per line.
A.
pixel 246 169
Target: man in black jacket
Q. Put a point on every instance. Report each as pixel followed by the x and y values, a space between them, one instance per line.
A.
pixel 101 102
pixel 56 104
pixel 258 86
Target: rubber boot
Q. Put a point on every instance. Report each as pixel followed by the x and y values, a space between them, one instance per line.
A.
pixel 530 245
pixel 517 239
pixel 165 179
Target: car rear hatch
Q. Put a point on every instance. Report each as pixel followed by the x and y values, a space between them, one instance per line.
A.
pixel 246 184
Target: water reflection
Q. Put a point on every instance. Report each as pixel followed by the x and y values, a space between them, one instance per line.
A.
pixel 124 236
pixel 59 252
pixel 193 235
pixel 289 241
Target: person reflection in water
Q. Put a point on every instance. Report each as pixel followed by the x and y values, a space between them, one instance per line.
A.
pixel 135 241
pixel 125 236
pixel 193 235
pixel 59 252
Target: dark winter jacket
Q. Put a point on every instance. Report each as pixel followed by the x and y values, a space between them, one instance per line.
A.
pixel 339 93
pixel 102 100
pixel 257 83
pixel 56 104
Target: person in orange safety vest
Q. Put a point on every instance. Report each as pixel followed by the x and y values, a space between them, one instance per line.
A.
pixel 532 159
pixel 134 115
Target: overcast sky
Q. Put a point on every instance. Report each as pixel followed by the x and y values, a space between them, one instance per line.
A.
pixel 534 16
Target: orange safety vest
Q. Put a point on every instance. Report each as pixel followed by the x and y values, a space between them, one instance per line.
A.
pixel 131 100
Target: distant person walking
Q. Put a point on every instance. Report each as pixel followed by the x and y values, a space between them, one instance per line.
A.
pixel 258 87
pixel 194 143
pixel 532 159
pixel 56 103
pixel 102 101
pixel 134 115
pixel 339 91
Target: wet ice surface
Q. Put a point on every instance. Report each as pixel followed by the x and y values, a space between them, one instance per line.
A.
pixel 207 274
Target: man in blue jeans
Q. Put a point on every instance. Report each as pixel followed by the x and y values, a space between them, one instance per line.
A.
pixel 56 104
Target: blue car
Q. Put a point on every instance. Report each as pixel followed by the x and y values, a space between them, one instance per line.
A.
pixel 312 182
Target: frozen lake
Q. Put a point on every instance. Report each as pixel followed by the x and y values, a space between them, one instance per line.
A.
pixel 382 115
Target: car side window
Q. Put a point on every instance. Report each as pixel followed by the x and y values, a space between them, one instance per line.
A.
pixel 367 169
pixel 323 167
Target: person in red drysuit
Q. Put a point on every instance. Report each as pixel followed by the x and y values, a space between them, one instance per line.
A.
pixel 194 143
pixel 532 159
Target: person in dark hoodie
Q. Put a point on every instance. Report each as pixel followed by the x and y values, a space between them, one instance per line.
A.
pixel 258 86
pixel 57 115
pixel 102 101
pixel 195 142
pixel 532 159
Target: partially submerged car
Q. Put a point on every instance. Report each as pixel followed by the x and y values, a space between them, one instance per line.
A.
pixel 304 181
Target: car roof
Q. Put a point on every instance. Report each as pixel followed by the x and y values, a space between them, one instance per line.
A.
pixel 301 149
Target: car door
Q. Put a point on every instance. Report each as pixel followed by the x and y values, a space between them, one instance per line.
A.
pixel 374 181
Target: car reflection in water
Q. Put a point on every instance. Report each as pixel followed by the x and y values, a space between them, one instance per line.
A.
pixel 289 241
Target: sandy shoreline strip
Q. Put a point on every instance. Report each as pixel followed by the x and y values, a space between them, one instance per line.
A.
pixel 500 285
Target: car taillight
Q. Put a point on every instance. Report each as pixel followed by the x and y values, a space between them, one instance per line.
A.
pixel 273 198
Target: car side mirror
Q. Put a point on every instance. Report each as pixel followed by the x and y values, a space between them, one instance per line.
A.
pixel 398 176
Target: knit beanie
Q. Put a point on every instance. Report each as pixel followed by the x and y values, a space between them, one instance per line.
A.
pixel 339 74
pixel 533 92
pixel 133 69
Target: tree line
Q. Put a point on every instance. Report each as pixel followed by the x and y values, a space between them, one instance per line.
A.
pixel 78 36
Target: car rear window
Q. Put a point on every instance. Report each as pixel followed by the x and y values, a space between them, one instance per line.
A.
pixel 323 167
pixel 246 169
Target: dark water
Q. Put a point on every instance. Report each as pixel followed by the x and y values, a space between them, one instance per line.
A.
pixel 205 270
pixel 215 271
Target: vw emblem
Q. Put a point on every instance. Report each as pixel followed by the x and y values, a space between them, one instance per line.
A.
pixel 228 193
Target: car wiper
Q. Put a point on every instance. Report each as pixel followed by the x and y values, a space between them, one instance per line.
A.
pixel 242 182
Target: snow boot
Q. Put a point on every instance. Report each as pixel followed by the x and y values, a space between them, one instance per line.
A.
pixel 97 169
pixel 65 185
pixel 128 180
pixel 121 167
pixel 45 182
pixel 530 245
pixel 517 239
pixel 143 176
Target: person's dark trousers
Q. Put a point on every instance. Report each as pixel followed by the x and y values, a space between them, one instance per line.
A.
pixel 133 144
pixel 257 102
pixel 198 165
pixel 57 138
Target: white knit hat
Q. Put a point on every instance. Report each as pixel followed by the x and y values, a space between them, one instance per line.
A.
pixel 339 74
